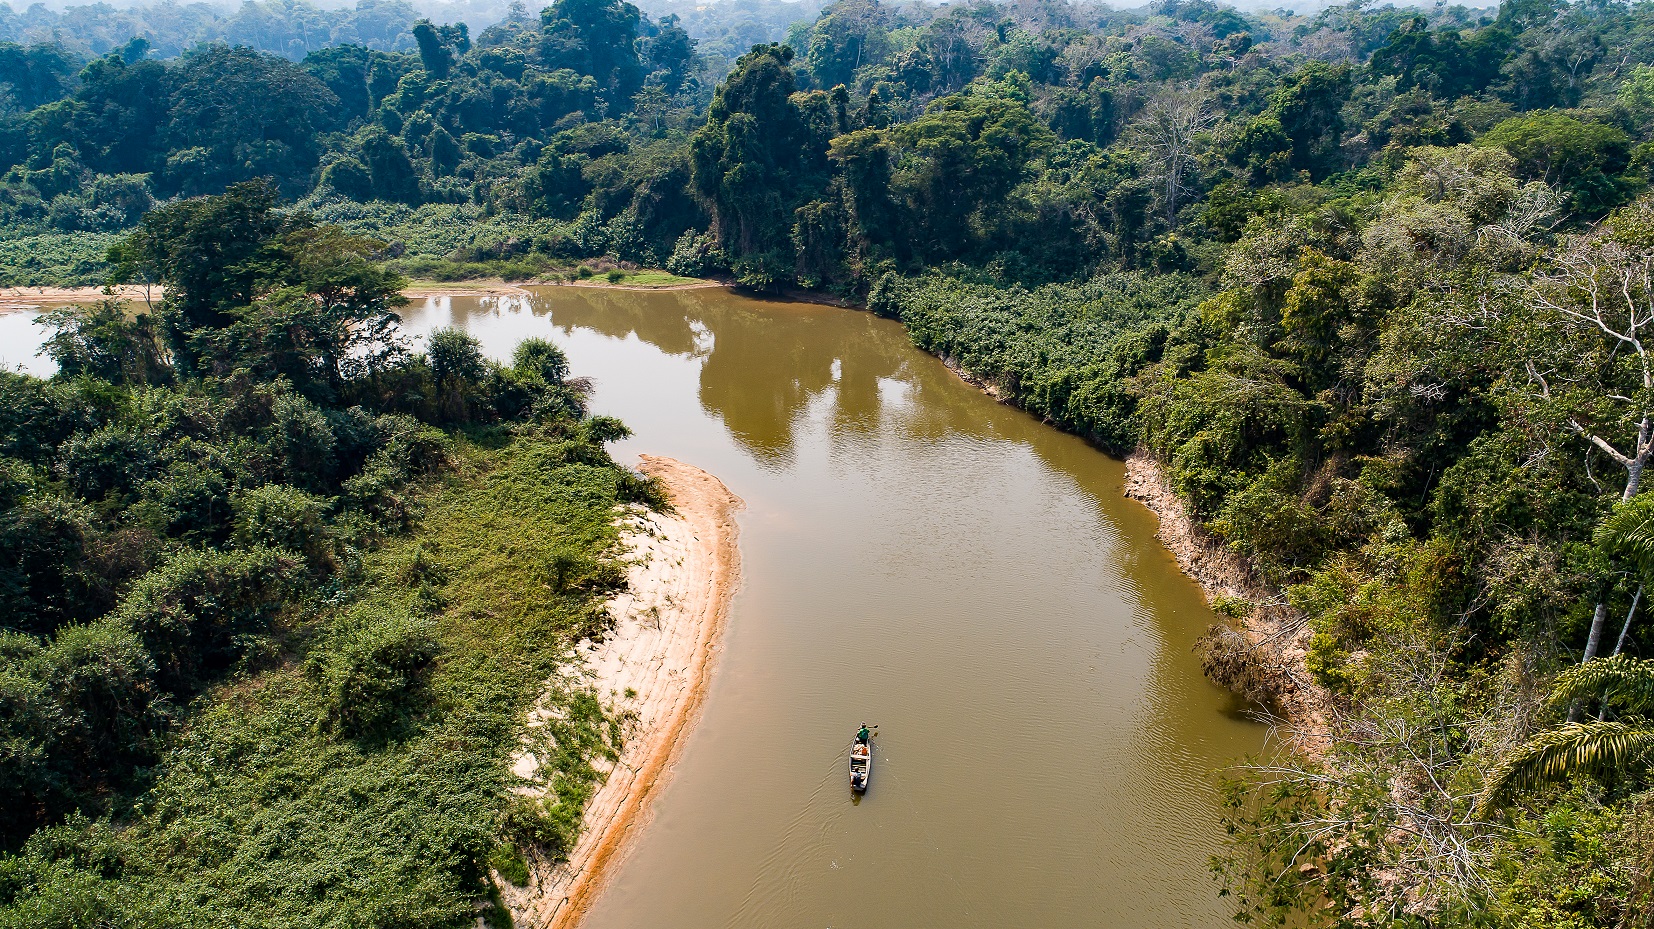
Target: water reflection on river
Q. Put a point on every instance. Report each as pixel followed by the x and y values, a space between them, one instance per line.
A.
pixel 920 557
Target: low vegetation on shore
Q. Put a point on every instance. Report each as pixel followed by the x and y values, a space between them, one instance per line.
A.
pixel 281 593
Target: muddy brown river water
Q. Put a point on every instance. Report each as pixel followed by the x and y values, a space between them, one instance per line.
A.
pixel 917 556
pixel 921 557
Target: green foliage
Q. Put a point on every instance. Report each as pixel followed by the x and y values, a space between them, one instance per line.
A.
pixel 754 161
pixel 1601 748
pixel 268 656
pixel 1441 62
pixel 282 517
pixel 1300 129
pixel 1579 863
pixel 508 862
pixel 1584 159
pixel 1063 352
pixel 371 668
pixel 54 259
pixel 103 342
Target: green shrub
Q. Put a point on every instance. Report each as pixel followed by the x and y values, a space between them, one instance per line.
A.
pixel 369 666
pixel 285 517
pixel 1062 352
pixel 507 860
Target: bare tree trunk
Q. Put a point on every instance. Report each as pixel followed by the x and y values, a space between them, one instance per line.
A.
pixel 1625 630
pixel 1602 713
pixel 1599 619
pixel 1634 477
pixel 1633 482
pixel 1170 126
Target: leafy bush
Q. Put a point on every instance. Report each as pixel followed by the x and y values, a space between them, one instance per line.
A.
pixel 280 516
pixel 369 666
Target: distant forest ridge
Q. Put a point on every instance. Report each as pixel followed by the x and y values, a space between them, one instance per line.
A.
pixel 294 28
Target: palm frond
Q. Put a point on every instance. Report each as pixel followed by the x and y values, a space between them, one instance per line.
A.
pixel 1592 748
pixel 1626 683
pixel 1628 532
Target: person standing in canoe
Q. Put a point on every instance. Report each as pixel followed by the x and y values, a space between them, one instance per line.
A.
pixel 863 734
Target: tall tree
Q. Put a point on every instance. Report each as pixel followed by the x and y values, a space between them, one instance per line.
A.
pixel 750 162
pixel 1172 126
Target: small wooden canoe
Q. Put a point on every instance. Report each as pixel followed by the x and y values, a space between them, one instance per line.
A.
pixel 861 765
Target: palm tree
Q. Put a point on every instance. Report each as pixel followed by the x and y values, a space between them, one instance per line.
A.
pixel 1597 747
pixel 1628 533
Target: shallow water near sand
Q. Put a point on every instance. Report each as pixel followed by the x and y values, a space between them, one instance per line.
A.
pixel 917 556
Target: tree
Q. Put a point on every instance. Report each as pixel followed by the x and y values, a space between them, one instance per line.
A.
pixel 1442 62
pixel 439 46
pixel 848 35
pixel 670 55
pixel 111 122
pixel 375 660
pixel 1301 128
pixel 235 115
pixel 391 173
pixel 37 74
pixel 457 367
pixel 204 250
pixel 541 359
pixel 1172 126
pixel 960 159
pixel 597 38
pixel 1585 354
pixel 344 70
pixel 444 151
pixel 251 288
pixel 1583 159
pixel 102 341
pixel 863 161
pixel 753 163
pixel 82 715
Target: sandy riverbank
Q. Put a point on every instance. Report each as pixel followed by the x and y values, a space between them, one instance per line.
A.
pixel 13 299
pixel 685 569
pixel 35 298
pixel 605 285
pixel 419 290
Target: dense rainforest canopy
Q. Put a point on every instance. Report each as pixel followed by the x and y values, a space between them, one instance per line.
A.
pixel 1373 286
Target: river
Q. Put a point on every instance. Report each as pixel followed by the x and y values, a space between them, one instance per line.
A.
pixel 917 556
